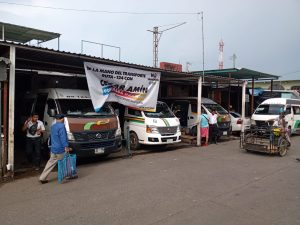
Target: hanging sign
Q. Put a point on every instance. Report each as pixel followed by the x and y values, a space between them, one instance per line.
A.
pixel 131 87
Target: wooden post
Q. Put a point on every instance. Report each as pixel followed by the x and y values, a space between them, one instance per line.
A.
pixel 11 109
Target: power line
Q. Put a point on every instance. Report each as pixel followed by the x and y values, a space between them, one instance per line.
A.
pixel 101 11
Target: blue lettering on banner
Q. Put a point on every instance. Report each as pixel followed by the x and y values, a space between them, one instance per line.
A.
pixel 106 90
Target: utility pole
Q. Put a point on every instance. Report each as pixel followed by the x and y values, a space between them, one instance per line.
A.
pixel 156 38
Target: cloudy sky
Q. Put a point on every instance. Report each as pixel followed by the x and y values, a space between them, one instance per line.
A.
pixel 265 35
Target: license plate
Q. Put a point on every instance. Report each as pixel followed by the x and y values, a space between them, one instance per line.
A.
pixel 169 140
pixel 224 132
pixel 99 150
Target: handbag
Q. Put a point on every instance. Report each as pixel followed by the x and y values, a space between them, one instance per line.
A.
pixel 32 129
pixel 67 167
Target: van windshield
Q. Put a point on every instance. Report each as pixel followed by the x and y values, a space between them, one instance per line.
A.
pixel 269 109
pixel 82 107
pixel 162 111
pixel 219 108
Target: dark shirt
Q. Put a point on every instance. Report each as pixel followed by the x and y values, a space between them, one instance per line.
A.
pixel 59 139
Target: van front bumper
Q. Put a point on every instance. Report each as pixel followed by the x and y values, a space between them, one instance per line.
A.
pixel 224 128
pixel 158 139
pixel 92 148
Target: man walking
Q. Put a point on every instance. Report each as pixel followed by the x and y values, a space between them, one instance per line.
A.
pixel 59 145
pixel 34 129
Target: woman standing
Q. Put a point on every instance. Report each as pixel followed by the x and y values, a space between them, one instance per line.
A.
pixel 204 127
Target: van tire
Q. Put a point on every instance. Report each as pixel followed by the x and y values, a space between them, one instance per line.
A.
pixel 134 141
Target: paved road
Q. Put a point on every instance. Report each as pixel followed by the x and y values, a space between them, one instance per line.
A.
pixel 218 184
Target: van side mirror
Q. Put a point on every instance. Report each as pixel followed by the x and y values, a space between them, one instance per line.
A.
pixel 51 112
pixel 117 112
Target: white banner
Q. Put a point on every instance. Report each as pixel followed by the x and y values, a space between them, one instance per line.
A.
pixel 131 87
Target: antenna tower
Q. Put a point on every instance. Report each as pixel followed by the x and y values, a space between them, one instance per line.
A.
pixel 156 38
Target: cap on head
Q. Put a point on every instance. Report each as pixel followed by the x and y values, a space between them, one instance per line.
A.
pixel 59 116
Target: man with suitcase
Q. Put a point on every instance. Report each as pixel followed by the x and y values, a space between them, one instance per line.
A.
pixel 59 145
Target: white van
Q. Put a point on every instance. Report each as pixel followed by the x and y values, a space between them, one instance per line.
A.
pixel 270 109
pixel 186 110
pixel 89 133
pixel 151 128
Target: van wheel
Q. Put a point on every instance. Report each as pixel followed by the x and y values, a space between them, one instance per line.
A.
pixel 134 141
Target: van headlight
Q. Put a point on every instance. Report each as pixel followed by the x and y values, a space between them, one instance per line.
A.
pixel 70 136
pixel 118 132
pixel 253 122
pixel 178 128
pixel 151 129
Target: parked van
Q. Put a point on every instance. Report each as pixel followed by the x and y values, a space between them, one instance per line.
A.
pixel 186 110
pixel 151 128
pixel 89 133
pixel 270 109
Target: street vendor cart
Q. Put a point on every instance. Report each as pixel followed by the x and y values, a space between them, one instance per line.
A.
pixel 267 139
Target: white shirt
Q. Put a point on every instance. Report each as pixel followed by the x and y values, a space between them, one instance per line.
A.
pixel 40 126
pixel 213 119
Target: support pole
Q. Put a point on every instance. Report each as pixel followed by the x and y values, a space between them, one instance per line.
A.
pixel 58 43
pixel 243 112
pixel 229 94
pixel 155 47
pixel 1 148
pixel 199 102
pixel 11 109
pixel 202 28
pixel 5 126
pixel 271 87
pixel 3 31
pixel 252 96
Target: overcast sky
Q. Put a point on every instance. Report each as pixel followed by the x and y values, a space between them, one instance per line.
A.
pixel 265 35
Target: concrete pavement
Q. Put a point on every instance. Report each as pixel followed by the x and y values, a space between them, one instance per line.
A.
pixel 218 184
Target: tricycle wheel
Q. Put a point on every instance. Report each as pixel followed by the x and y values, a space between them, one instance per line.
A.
pixel 282 147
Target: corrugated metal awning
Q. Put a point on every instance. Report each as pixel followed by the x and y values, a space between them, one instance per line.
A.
pixel 240 74
pixel 21 34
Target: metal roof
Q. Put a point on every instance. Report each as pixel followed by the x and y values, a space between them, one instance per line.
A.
pixel 44 59
pixel 241 74
pixel 21 34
